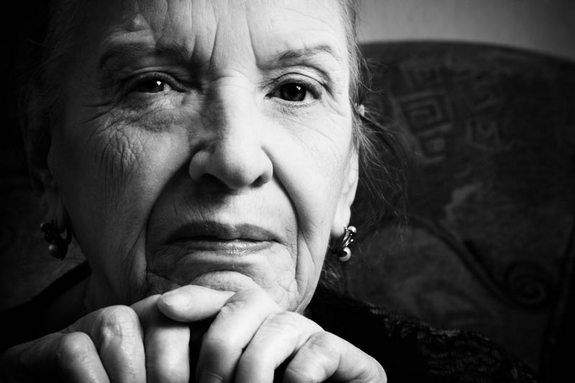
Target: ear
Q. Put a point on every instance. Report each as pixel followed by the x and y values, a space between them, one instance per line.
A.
pixel 52 198
pixel 343 210
pixel 37 139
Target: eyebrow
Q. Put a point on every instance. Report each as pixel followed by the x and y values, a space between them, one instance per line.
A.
pixel 134 50
pixel 304 54
pixel 130 51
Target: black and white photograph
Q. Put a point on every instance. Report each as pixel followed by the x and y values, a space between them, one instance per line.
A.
pixel 262 191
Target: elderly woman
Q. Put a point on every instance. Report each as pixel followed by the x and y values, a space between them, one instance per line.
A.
pixel 205 156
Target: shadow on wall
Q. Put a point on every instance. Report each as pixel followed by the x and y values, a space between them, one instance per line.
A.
pixel 489 241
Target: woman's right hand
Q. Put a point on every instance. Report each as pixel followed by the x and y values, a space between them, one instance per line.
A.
pixel 117 343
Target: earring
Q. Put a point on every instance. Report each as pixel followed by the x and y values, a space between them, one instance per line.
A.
pixel 342 251
pixel 57 246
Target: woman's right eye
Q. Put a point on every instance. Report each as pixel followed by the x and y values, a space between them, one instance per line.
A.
pixel 151 86
pixel 153 83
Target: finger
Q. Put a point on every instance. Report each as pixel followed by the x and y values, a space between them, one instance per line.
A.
pixel 68 357
pixel 117 335
pixel 230 332
pixel 192 303
pixel 325 356
pixel 166 344
pixel 279 337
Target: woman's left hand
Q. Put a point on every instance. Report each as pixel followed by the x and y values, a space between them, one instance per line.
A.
pixel 251 336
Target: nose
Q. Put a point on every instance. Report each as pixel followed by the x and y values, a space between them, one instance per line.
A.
pixel 233 152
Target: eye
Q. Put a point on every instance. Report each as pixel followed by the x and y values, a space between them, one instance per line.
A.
pixel 151 85
pixel 294 92
pixel 154 83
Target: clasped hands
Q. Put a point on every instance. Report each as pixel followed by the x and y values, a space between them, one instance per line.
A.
pixel 240 337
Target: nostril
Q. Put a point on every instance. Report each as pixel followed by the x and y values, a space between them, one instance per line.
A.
pixel 212 181
pixel 265 176
pixel 261 180
pixel 211 185
pixel 230 164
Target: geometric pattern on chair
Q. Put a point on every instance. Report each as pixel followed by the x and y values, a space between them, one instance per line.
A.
pixel 488 240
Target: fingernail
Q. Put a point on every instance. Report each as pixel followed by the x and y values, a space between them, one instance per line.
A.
pixel 208 377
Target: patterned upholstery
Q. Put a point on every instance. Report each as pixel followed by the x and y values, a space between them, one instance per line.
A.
pixel 489 240
pixel 488 244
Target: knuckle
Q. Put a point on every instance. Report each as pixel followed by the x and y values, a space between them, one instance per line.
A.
pixel 117 321
pixel 284 320
pixel 74 347
pixel 120 314
pixel 322 341
pixel 257 361
pixel 231 306
pixel 320 359
pixel 301 374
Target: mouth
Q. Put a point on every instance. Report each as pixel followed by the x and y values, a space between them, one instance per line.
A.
pixel 218 255
pixel 232 239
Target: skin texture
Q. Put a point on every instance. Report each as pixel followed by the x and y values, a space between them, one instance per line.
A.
pixel 219 145
pixel 205 153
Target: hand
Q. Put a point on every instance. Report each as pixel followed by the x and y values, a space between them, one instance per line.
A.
pixel 248 340
pixel 251 336
pixel 116 343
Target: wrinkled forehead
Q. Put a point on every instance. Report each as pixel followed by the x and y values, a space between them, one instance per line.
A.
pixel 217 30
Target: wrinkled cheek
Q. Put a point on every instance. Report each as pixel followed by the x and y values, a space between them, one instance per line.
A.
pixel 112 193
pixel 316 205
pixel 123 204
pixel 313 199
pixel 119 161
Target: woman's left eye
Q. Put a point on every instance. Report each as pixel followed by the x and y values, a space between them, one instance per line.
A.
pixel 293 92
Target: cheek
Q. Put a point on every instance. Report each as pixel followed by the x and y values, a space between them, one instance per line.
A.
pixel 110 172
pixel 310 164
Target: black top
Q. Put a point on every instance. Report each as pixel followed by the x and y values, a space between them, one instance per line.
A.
pixel 412 351
pixel 409 350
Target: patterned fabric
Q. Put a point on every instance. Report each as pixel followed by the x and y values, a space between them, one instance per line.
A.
pixel 412 351
pixel 488 242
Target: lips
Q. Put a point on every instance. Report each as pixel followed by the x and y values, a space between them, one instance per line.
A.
pixel 220 232
pixel 211 253
pixel 225 239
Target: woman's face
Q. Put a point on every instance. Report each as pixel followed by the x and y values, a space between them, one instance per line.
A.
pixel 206 142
